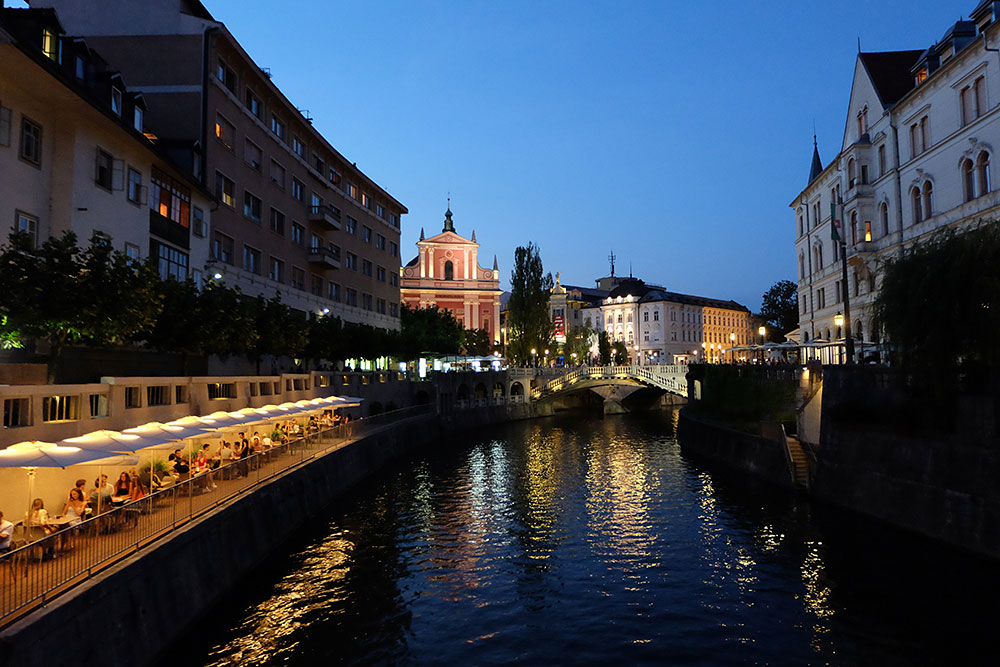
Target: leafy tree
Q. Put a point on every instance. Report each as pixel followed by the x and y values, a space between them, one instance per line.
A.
pixel 577 341
pixel 280 330
pixel 10 339
pixel 619 353
pixel 477 342
pixel 779 309
pixel 528 308
pixel 604 348
pixel 429 331
pixel 939 301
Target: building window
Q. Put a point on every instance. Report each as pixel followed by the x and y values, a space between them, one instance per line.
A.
pixel 394 279
pixel 393 249
pixel 170 262
pixel 449 271
pixel 972 99
pixel 393 220
pixel 298 233
pixel 251 259
pixel 222 248
pixel 351 261
pixel 351 297
pixel 854 229
pixel 366 234
pixel 276 272
pixel 298 278
pixel 171 199
pixel 226 76
pixel 380 242
pixel 366 301
pixel 915 201
pixel 334 176
pixel 319 163
pixel 28 224
pixel 50 45
pixel 881 160
pixel 352 191
pixel 132 252
pixel 278 127
pixel 983 172
pixel 969 180
pixel 298 147
pixel 277 221
pixel 351 226
pixel 851 173
pixel 298 189
pixel 366 201
pixel 333 291
pixel 883 215
pixel 277 174
pixel 225 131
pixel 225 190
pixel 928 200
pixel 253 154
pixel 116 101
pixel 394 309
pixel 31 141
pixel 366 267
pixel 380 211
pixel 134 186
pixel 868 231
pixel 380 273
pixel 60 408
pixel 103 169
pixel 200 227
pixel 253 104
pixel 315 285
pixel 251 206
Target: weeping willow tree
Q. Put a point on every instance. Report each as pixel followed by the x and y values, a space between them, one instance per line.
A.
pixel 939 304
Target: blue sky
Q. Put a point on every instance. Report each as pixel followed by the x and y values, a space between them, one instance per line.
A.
pixel 674 133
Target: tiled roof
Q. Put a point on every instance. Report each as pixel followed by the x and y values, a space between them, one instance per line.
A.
pixel 890 73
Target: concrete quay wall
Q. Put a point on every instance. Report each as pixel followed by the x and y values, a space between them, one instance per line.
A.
pixel 144 604
pixel 734 449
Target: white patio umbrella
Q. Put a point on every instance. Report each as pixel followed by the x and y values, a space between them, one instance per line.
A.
pixel 106 441
pixel 225 419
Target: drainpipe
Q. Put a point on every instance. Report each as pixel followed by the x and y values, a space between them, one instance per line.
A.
pixel 898 179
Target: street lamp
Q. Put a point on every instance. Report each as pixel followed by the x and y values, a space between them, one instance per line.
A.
pixel 637 354
pixel 838 321
pixel 712 350
pixel 762 330
pixel 574 358
pixel 534 361
pixel 704 356
pixel 732 345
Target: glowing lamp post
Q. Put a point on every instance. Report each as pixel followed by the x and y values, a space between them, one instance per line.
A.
pixel 732 344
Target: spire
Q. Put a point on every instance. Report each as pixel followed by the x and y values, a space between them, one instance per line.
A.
pixel 495 267
pixel 473 235
pixel 421 233
pixel 817 166
pixel 449 226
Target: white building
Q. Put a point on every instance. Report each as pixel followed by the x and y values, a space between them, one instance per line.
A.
pixel 916 157
pixel 74 156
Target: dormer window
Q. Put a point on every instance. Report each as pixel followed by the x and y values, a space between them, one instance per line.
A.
pixel 79 67
pixel 116 101
pixel 50 45
pixel 921 75
pixel 137 119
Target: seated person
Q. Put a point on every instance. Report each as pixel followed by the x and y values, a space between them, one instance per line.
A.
pixel 76 507
pixel 137 489
pixel 123 486
pixel 180 466
pixel 39 517
pixel 6 534
pixel 100 496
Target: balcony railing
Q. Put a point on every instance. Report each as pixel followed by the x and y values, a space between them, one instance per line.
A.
pixel 326 257
pixel 325 215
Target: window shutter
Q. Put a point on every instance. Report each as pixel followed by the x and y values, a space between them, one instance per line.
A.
pixel 118 175
pixel 4 126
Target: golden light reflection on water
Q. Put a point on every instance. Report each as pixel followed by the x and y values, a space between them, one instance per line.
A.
pixel 271 622
pixel 817 596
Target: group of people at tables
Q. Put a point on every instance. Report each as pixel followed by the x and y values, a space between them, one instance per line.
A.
pixel 133 485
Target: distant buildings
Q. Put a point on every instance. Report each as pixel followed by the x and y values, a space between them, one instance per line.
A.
pixel 446 273
pixel 655 325
pixel 294 216
pixel 73 155
pixel 916 156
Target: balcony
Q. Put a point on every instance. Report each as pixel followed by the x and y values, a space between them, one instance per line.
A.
pixel 324 257
pixel 168 230
pixel 326 215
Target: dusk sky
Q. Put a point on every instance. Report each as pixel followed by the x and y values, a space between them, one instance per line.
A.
pixel 673 133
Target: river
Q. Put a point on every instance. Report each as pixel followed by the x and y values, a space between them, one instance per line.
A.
pixel 597 541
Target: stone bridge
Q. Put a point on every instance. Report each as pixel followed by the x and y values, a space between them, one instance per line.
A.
pixel 614 383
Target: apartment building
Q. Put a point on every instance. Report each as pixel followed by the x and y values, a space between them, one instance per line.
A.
pixel 296 217
pixel 916 157
pixel 74 155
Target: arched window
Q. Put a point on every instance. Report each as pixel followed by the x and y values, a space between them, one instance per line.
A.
pixel 802 266
pixel 851 169
pixel 828 334
pixel 854 227
pixel 983 172
pixel 928 200
pixel 915 200
pixel 968 180
pixel 883 216
pixel 805 336
pixel 858 331
pixel 449 271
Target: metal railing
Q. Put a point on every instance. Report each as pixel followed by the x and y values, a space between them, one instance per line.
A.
pixel 36 571
pixel 669 377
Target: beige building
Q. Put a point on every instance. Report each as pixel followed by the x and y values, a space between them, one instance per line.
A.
pixel 295 217
pixel 73 154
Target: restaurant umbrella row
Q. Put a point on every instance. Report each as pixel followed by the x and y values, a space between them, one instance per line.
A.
pixel 111 449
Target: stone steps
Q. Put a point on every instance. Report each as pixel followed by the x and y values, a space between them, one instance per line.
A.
pixel 800 462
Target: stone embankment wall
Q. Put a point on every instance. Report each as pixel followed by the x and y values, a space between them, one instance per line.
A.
pixel 735 449
pixel 144 604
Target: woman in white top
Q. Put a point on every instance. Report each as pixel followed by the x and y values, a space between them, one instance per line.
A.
pixel 39 517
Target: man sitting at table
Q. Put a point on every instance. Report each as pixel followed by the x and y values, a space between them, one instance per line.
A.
pixel 100 496
pixel 179 465
pixel 6 534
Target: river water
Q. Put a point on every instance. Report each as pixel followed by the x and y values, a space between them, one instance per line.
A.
pixel 597 541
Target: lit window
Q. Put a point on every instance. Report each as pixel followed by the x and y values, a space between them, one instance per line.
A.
pixel 137 119
pixel 225 190
pixel 170 198
pixel 50 45
pixel 116 101
pixel 224 131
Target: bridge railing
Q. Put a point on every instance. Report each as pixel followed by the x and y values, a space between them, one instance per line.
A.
pixel 668 377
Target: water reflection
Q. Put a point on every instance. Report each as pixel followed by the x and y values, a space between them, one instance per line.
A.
pixel 597 541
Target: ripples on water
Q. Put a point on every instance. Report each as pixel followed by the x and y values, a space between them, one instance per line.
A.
pixel 568 541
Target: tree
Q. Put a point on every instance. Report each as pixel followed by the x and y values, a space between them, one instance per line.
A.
pixel 429 331
pixel 604 348
pixel 528 308
pixel 477 342
pixel 939 301
pixel 578 342
pixel 779 309
pixel 619 353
